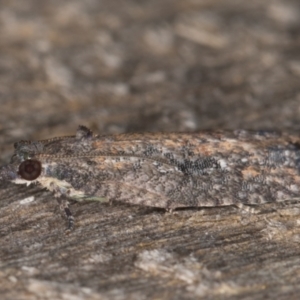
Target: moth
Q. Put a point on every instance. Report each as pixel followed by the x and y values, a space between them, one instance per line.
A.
pixel 166 170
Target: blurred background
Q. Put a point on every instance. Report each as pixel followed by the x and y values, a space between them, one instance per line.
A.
pixel 159 65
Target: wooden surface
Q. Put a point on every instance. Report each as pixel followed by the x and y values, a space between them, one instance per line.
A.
pixel 160 65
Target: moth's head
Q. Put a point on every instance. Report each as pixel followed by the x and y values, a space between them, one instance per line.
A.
pixel 26 165
pixel 23 164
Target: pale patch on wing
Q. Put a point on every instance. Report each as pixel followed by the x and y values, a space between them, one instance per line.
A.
pixel 27 200
pixel 222 163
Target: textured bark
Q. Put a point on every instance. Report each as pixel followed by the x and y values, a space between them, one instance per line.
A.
pixel 146 66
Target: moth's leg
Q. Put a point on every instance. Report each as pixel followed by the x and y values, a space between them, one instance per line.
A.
pixel 64 207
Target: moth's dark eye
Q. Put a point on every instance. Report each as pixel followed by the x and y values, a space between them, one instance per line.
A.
pixel 30 169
